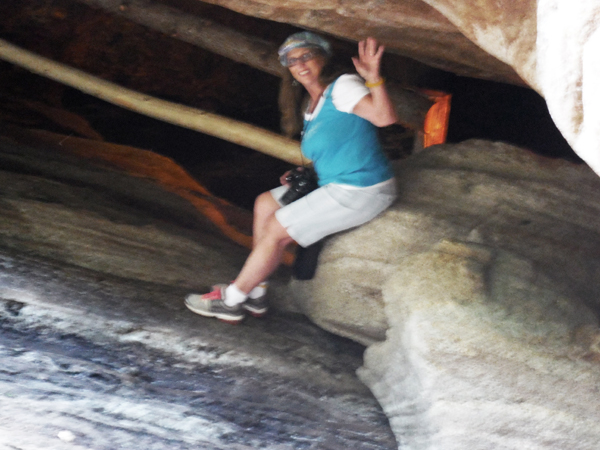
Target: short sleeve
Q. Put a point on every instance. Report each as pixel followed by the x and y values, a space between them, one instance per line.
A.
pixel 347 91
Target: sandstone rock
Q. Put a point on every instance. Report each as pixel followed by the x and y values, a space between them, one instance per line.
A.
pixel 476 292
pixel 409 28
pixel 483 280
pixel 568 61
pixel 554 46
pixel 75 221
pixel 482 360
pixel 98 348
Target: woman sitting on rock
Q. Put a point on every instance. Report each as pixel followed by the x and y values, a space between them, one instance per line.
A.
pixel 355 179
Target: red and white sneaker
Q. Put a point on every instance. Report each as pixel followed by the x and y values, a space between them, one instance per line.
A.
pixel 213 305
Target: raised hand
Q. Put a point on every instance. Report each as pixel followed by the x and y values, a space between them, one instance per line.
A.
pixel 368 62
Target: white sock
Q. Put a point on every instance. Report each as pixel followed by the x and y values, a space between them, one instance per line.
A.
pixel 259 290
pixel 233 296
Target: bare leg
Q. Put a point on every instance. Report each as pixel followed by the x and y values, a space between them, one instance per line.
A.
pixel 265 207
pixel 269 242
pixel 266 255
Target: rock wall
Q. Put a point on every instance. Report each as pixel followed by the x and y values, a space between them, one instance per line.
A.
pixel 505 29
pixel 409 28
pixel 568 55
pixel 477 295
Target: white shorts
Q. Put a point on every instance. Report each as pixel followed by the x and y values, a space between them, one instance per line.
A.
pixel 332 208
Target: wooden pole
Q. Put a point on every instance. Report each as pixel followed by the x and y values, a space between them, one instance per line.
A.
pixel 221 127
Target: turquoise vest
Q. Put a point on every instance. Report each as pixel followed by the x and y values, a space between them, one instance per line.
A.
pixel 344 147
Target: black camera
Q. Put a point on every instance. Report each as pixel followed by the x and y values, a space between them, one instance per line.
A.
pixel 302 180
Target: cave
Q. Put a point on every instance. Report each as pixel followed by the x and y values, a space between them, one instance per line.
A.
pixel 465 317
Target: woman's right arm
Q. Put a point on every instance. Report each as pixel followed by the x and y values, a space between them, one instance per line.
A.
pixel 376 107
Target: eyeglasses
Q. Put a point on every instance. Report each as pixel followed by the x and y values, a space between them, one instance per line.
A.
pixel 305 57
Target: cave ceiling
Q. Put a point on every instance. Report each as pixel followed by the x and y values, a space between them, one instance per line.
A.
pixel 410 28
pixel 417 36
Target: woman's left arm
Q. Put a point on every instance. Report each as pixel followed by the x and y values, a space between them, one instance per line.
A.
pixel 376 107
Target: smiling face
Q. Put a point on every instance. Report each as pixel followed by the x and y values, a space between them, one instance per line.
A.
pixel 306 65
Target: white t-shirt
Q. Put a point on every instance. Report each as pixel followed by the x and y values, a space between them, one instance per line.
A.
pixel 348 90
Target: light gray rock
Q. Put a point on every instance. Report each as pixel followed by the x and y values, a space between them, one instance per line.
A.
pixel 483 360
pixel 568 61
pixel 481 285
pixel 554 46
pixel 476 294
pixel 98 350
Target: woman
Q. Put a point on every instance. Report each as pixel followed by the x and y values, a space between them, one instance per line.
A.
pixel 355 179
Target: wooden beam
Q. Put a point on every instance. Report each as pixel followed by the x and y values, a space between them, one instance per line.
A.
pixel 221 127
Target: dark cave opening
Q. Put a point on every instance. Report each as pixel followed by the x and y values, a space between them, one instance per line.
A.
pixel 502 112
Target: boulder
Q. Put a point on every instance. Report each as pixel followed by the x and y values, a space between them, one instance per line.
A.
pixel 476 294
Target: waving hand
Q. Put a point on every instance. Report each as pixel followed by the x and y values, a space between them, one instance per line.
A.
pixel 368 62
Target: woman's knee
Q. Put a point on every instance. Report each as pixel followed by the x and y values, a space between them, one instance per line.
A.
pixel 265 204
pixel 277 232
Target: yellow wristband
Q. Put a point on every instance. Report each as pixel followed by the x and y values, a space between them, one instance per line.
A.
pixel 377 83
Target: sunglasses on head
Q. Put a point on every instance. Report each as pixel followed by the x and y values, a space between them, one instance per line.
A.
pixel 302 58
